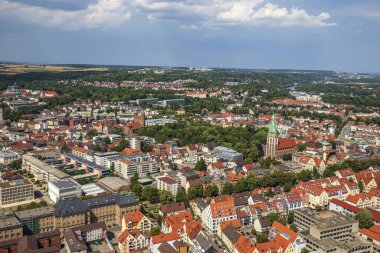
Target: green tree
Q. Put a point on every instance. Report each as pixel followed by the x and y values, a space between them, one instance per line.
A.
pixel 275 217
pixel 181 196
pixel 261 238
pixel 304 250
pixel 240 186
pixel 361 185
pixel 211 191
pixel 316 173
pixel 201 165
pixel 16 165
pixel 155 231
pixel 290 218
pixel 137 189
pixel 91 133
pixel 293 227
pixel 166 197
pixel 365 219
pixel 146 147
pixel 228 188
pixel 301 147
pixel 287 157
pixel 288 187
pixel 151 194
pixel 195 191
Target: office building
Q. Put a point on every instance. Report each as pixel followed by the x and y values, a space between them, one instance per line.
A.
pixel 16 191
pixel 41 170
pixel 64 189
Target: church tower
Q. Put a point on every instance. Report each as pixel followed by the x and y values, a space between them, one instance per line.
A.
pixel 272 139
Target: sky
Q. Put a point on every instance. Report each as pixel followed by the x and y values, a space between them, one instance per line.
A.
pixel 340 35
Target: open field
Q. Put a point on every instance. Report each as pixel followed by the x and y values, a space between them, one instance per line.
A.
pixel 12 69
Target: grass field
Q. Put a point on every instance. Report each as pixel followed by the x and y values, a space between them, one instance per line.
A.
pixel 12 69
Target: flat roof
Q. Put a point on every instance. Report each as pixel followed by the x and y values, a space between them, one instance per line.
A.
pixel 15 183
pixel 113 183
pixel 40 164
pixel 65 184
pixel 327 219
pixel 36 212
pixel 9 221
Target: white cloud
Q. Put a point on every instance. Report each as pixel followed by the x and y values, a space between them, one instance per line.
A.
pixel 103 13
pixel 189 27
pixel 230 12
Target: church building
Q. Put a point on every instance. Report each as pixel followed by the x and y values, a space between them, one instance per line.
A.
pixel 277 146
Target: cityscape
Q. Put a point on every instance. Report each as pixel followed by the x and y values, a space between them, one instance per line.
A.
pixel 165 126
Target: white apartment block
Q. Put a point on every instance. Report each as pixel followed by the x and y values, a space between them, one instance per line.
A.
pixel 127 168
pixel 7 156
pixel 64 189
pixel 166 183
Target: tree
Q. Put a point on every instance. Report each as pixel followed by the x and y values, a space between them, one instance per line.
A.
pixel 365 219
pixel 240 186
pixel 304 175
pixel 293 227
pixel 146 147
pixel 304 250
pixel 16 165
pixel 261 238
pixel 92 133
pixel 301 147
pixel 290 218
pixel 201 165
pixel 275 217
pixel 166 197
pixel 316 173
pixel 195 192
pixel 155 231
pixel 135 178
pixel 361 185
pixel 211 191
pixel 137 189
pixel 288 187
pixel 151 194
pixel 287 157
pixel 228 188
pixel 181 196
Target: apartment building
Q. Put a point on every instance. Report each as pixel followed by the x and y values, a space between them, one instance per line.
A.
pixel 64 189
pixel 166 183
pixel 16 191
pixel 41 170
pixel 329 231
pixel 220 209
pixel 10 228
pixel 38 220
pixel 7 156
pixel 127 168
pixel 110 209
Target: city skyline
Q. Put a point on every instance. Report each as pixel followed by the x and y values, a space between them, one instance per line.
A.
pixel 257 34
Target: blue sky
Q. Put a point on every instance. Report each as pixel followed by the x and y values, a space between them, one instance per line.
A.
pixel 342 35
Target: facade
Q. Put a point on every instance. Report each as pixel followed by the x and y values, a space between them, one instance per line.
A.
pixel 276 146
pixel 88 238
pixel 220 209
pixel 37 221
pixel 64 189
pixel 329 231
pixel 127 168
pixel 7 156
pixel 41 170
pixel 166 183
pixel 10 228
pixel 16 191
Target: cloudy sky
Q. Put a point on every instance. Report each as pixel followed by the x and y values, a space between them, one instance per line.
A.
pixel 341 35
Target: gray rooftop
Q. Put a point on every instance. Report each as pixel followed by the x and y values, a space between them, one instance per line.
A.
pixel 9 222
pixel 36 212
pixel 65 184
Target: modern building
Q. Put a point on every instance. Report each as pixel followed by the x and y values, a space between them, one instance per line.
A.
pixel 220 209
pixel 41 170
pixel 16 191
pixel 329 231
pixel 64 189
pixel 166 183
pixel 7 156
pixel 127 168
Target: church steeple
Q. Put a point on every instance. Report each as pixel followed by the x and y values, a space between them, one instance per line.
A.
pixel 273 125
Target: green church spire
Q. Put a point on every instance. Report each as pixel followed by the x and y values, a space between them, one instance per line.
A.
pixel 273 125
